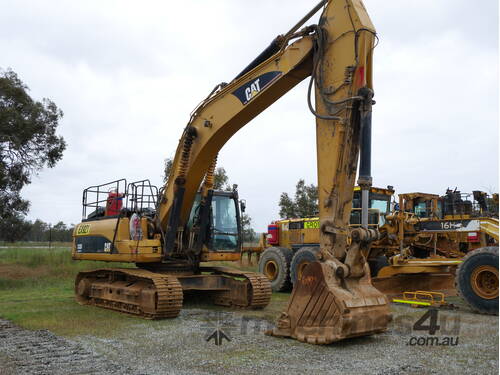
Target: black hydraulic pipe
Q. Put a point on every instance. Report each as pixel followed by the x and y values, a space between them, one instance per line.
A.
pixel 277 43
pixel 365 165
pixel 204 221
pixel 365 157
pixel 263 56
pixel 305 18
pixel 173 221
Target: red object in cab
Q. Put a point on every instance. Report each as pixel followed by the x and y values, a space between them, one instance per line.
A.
pixel 114 203
pixel 272 234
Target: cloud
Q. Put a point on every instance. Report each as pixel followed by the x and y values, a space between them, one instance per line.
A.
pixel 127 75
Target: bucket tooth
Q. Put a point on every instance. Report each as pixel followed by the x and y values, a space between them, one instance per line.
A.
pixel 324 308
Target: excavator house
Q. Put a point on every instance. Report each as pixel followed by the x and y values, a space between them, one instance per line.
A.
pixel 120 227
pixel 167 234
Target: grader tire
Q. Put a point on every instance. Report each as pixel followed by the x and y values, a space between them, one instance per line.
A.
pixel 302 258
pixel 274 263
pixel 477 280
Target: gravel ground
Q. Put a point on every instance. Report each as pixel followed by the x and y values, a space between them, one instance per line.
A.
pixel 42 352
pixel 179 346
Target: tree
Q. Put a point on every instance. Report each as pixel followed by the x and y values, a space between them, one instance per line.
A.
pixel 221 180
pixel 287 206
pixel 38 230
pixel 28 143
pixel 248 233
pixel 13 227
pixel 220 175
pixel 58 232
pixel 304 204
pixel 167 167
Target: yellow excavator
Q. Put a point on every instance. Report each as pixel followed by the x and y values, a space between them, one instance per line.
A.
pixel 189 223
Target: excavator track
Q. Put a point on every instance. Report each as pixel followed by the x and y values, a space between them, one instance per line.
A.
pixel 259 287
pixel 154 295
pixel 131 291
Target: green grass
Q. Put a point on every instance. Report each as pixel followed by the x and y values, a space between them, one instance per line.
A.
pixel 32 257
pixel 31 267
pixel 36 292
pixel 35 244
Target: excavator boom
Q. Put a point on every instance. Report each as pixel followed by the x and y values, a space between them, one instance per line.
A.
pixel 221 115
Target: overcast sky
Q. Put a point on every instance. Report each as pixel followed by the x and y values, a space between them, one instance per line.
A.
pixel 127 74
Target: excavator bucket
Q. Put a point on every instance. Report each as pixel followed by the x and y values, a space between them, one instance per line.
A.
pixel 324 308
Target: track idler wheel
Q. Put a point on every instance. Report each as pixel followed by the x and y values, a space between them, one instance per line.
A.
pixel 82 290
pixel 324 308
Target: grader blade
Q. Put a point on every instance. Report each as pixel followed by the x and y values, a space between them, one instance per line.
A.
pixel 395 286
pixel 432 274
pixel 324 308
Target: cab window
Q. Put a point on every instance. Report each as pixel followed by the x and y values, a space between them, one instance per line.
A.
pixel 224 224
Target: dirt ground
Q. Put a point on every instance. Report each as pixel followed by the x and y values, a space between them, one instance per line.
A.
pixel 180 346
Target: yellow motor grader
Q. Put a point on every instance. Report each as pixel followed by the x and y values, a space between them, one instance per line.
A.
pixel 447 243
pixel 334 299
pixel 428 242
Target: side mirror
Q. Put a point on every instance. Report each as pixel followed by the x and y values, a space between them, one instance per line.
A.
pixel 243 205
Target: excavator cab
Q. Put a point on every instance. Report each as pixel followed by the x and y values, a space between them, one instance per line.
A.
pixel 225 219
pixel 224 229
